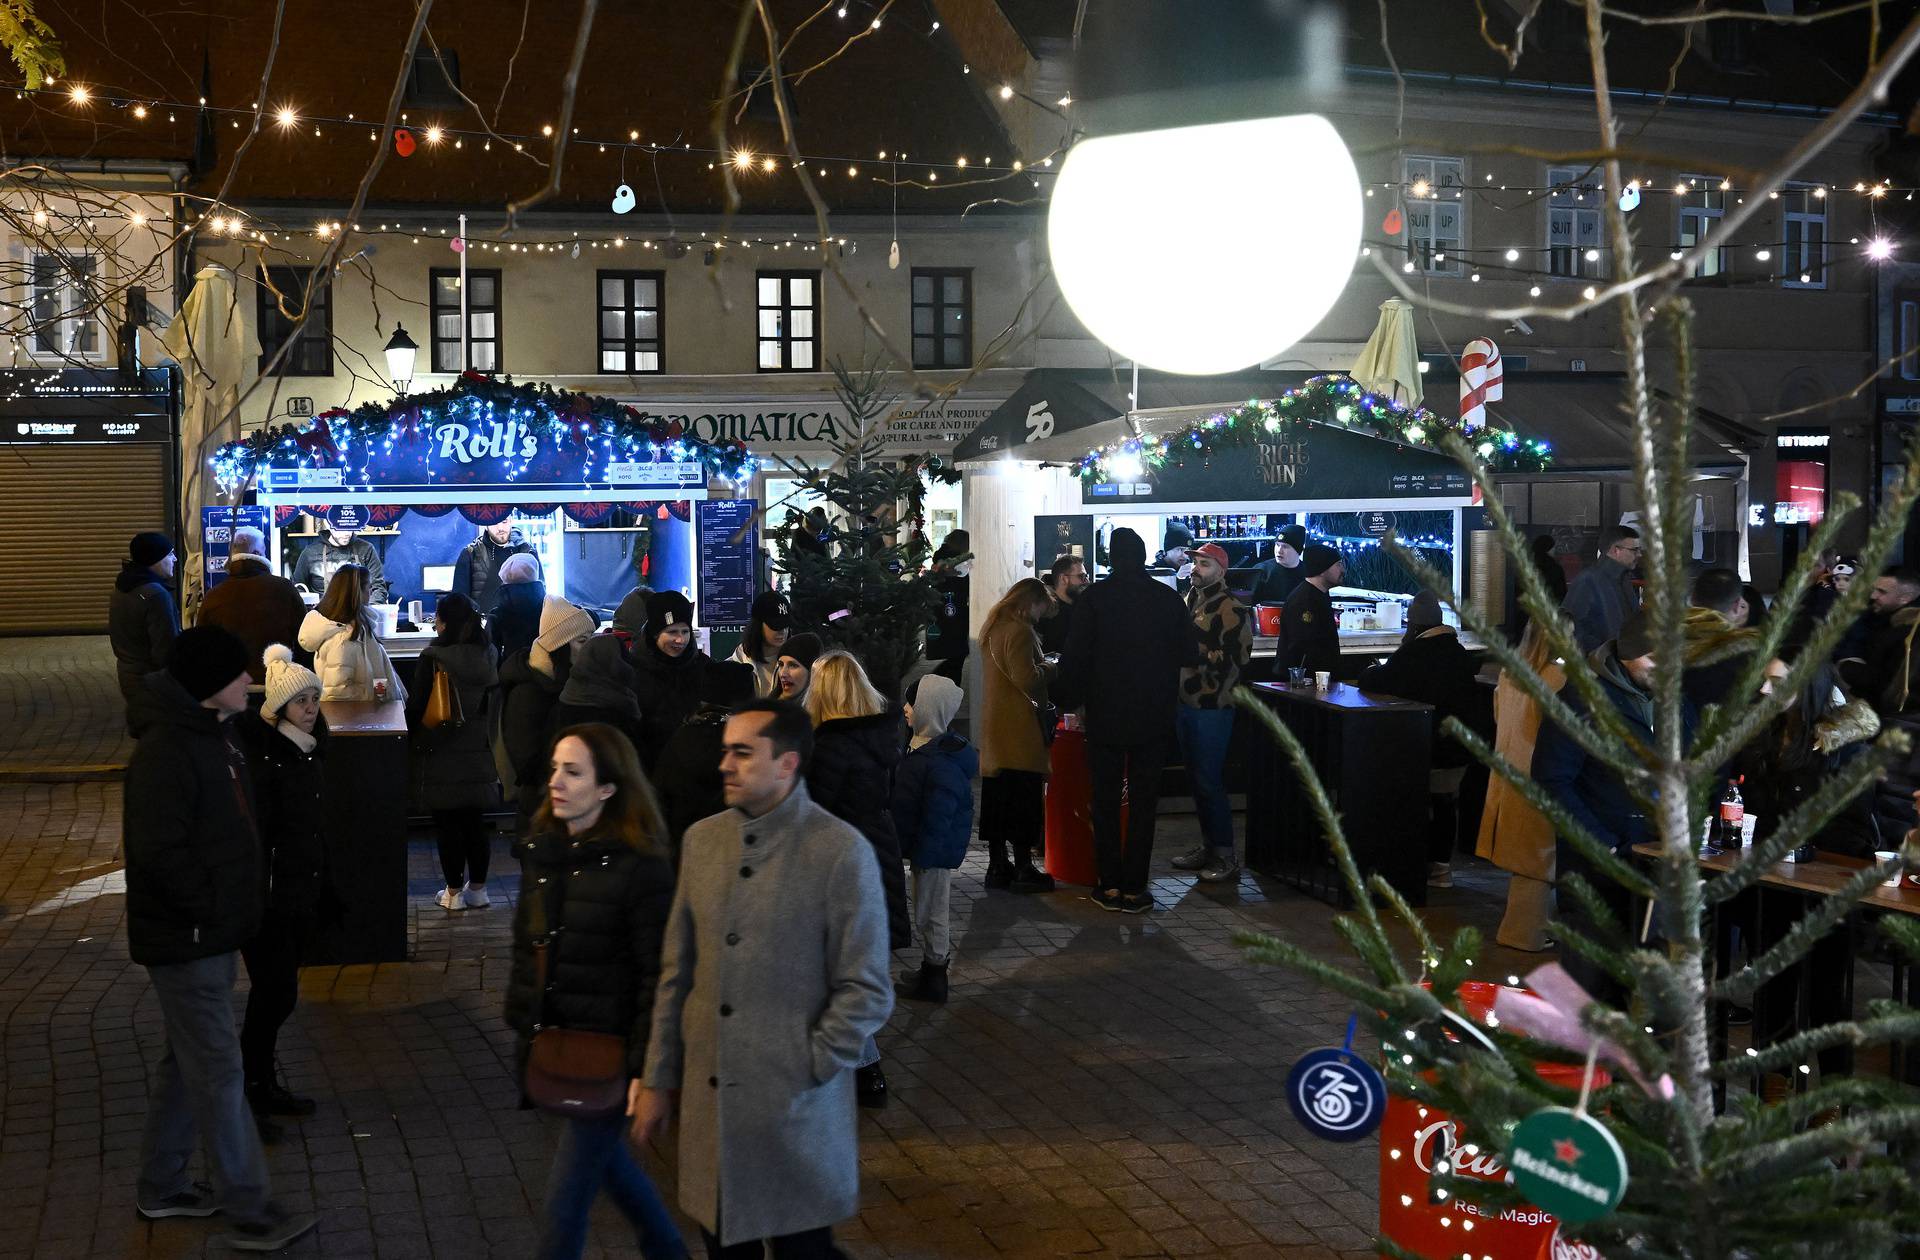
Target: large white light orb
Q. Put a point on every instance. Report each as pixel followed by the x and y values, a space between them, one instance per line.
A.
pixel 1206 249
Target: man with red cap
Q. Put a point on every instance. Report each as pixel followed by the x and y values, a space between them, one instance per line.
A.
pixel 1204 720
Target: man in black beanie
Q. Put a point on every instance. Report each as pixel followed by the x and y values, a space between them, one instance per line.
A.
pixel 195 894
pixel 1131 636
pixel 1282 573
pixel 1309 632
pixel 141 616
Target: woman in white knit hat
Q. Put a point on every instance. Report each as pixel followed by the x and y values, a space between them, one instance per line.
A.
pixel 285 742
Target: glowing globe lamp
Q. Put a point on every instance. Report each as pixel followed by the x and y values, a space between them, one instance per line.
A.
pixel 1209 248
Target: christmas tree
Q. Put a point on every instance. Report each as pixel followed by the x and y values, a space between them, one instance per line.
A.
pixel 862 583
pixel 1827 1171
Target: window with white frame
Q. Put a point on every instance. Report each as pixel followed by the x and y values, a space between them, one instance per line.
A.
pixel 64 301
pixel 1436 213
pixel 1701 208
pixel 1573 221
pixel 1803 222
pixel 1909 366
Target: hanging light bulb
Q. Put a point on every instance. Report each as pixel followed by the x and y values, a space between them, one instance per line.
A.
pixel 1190 286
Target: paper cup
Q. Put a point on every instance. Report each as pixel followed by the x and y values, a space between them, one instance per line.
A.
pixel 1322 679
pixel 1883 856
pixel 1746 830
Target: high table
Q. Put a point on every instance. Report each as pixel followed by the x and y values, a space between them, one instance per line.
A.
pixel 366 834
pixel 1372 753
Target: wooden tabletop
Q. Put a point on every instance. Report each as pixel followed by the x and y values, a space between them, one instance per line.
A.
pixel 364 717
pixel 1344 696
pixel 1824 876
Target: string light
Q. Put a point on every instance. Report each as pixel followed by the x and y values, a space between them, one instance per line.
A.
pixel 79 94
pixel 286 117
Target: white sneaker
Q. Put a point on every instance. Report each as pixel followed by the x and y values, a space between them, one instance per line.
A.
pixel 450 899
pixel 475 897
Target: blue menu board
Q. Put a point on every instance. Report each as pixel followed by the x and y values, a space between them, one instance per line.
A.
pixel 216 536
pixel 727 563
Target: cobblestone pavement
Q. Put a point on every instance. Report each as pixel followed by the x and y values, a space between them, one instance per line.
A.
pixel 1099 1085
pixel 63 709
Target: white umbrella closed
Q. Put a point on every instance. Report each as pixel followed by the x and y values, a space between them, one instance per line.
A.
pixel 1389 364
pixel 211 341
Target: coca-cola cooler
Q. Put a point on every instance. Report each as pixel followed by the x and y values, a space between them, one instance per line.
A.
pixel 1414 1136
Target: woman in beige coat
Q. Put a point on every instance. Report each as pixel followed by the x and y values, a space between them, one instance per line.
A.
pixel 1513 834
pixel 1013 755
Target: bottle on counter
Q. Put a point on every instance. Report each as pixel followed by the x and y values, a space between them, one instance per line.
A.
pixel 1728 815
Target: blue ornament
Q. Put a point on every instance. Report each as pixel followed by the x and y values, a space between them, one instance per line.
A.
pixel 1337 1094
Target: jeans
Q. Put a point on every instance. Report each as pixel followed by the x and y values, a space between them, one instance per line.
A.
pixel 811 1244
pixel 1204 736
pixel 465 845
pixel 273 968
pixel 1135 770
pixel 930 885
pixel 199 1093
pixel 594 1156
pixel 1013 813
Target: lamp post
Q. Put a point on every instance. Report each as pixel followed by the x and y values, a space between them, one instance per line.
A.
pixel 1210 217
pixel 401 353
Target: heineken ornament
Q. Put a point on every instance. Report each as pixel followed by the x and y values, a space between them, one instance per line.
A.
pixel 1566 1163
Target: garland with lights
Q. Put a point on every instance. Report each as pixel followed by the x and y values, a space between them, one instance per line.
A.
pixel 593 424
pixel 1334 400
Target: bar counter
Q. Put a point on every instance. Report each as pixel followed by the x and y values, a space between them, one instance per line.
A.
pixel 366 834
pixel 1372 753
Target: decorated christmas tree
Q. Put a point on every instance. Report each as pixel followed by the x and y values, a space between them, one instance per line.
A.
pixel 859 576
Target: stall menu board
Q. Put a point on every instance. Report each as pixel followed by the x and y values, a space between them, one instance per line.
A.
pixel 1312 463
pixel 726 562
pixel 216 536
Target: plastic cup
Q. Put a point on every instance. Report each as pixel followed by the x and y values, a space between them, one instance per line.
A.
pixel 1322 679
pixel 380 690
pixel 1297 676
pixel 1883 856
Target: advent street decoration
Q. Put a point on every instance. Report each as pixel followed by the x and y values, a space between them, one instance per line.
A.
pixel 479 432
pixel 1568 1163
pixel 1334 400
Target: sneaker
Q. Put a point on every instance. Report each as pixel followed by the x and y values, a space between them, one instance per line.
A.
pixel 1219 868
pixel 870 1086
pixel 1135 903
pixel 1028 879
pixel 271 1098
pixel 274 1231
pixel 1105 898
pixel 999 876
pixel 451 899
pixel 1193 859
pixel 474 897
pixel 1439 874
pixel 197 1199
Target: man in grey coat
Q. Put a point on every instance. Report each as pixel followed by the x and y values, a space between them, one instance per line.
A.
pixel 1604 596
pixel 773 976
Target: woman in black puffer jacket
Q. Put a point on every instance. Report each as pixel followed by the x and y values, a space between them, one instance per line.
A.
pixel 458 780
pixel 598 882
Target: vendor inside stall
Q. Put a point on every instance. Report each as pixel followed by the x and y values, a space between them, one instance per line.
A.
pixel 338 545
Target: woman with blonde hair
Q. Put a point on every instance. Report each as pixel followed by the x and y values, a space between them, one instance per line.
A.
pixel 346 649
pixel 858 740
pixel 1513 834
pixel 1014 761
pixel 597 886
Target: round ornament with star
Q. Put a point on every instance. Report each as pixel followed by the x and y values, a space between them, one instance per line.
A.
pixel 1566 1163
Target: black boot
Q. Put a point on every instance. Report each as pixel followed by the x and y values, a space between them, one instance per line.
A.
pixel 999 873
pixel 929 984
pixel 870 1086
pixel 1028 878
pixel 271 1098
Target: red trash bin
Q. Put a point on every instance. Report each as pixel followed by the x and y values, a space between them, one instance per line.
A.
pixel 1413 1136
pixel 1069 856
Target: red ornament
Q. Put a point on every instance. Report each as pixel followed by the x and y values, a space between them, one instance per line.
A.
pixel 474 378
pixel 1392 224
pixel 662 513
pixel 403 142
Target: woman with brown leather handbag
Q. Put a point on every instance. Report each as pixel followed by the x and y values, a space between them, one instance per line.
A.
pixel 597 883
pixel 446 708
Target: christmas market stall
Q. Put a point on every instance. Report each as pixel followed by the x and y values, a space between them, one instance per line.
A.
pixel 432 492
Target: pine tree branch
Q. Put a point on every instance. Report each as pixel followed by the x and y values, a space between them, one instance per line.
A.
pixel 1752 1166
pixel 1880 1029
pixel 1803 935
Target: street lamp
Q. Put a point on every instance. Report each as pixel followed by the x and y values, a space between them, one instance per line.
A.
pixel 400 356
pixel 1211 217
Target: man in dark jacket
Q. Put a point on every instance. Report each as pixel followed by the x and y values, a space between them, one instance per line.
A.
pixel 1714 629
pixel 1280 575
pixel 1309 631
pixel 1432 667
pixel 687 776
pixel 1223 633
pixel 1601 598
pixel 337 547
pixel 1873 656
pixel 1593 792
pixel 141 617
pixel 195 894
pixel 1131 638
pixel 1066 579
pixel 254 602
pixel 476 574
pixel 668 672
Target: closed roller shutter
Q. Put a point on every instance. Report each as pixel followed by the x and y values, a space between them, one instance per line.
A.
pixel 66 513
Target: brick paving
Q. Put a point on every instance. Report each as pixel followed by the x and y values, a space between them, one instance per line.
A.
pixel 64 715
pixel 1099 1085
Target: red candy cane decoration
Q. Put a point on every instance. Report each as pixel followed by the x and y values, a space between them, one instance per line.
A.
pixel 1481 382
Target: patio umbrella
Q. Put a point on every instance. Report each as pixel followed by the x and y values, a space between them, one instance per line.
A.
pixel 1389 364
pixel 213 345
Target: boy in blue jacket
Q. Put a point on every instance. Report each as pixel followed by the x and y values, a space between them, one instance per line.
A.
pixel 933 814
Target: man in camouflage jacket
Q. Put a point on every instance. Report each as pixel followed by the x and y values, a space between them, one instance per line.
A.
pixel 1224 633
